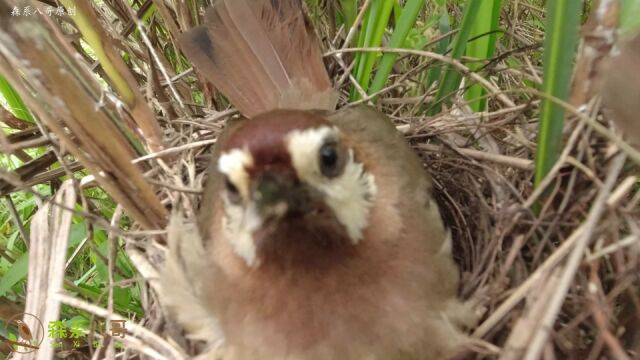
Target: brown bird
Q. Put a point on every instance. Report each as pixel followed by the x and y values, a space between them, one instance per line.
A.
pixel 23 330
pixel 321 237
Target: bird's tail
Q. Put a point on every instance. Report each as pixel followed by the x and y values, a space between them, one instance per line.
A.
pixel 262 55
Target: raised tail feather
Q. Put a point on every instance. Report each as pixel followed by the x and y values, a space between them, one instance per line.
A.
pixel 262 55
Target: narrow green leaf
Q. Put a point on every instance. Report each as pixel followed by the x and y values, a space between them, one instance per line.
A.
pixel 16 105
pixel 482 47
pixel 83 279
pixel 350 12
pixel 146 16
pixel 380 11
pixel 561 37
pixel 403 25
pixel 397 10
pixel 452 78
pixel 362 38
pixel 444 27
pixel 89 291
pixel 16 273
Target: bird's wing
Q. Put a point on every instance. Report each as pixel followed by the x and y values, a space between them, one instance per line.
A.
pixel 182 281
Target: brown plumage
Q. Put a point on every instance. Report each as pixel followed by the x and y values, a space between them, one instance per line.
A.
pixel 23 330
pixel 268 44
pixel 621 88
pixel 320 234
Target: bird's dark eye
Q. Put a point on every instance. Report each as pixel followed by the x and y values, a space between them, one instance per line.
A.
pixel 232 191
pixel 331 159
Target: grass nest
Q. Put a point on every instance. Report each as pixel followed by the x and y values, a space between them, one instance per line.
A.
pixel 551 274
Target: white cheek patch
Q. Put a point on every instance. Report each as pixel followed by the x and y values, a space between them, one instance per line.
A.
pixel 239 225
pixel 234 165
pixel 350 195
pixel 239 221
pixel 303 146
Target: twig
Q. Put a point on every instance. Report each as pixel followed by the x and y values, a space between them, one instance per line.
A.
pixel 600 317
pixel 518 294
pixel 524 288
pixel 623 189
pixel 112 240
pixel 555 303
pixel 631 152
pixel 177 149
pixel 356 23
pixel 143 334
pixel 551 175
pixel 519 163
pixel 16 219
pixel 445 59
pixel 618 245
pixel 162 68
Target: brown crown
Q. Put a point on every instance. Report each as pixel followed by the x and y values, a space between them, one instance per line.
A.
pixel 265 137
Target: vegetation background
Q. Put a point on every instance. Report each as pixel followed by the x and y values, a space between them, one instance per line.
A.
pixel 106 129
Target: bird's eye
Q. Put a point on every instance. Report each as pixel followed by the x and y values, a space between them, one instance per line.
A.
pixel 331 159
pixel 232 191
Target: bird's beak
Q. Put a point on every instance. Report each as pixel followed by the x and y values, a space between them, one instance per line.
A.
pixel 277 195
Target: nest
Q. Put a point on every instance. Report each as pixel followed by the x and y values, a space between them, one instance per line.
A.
pixel 551 274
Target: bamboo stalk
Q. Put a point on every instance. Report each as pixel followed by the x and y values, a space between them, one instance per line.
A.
pixel 123 81
pixel 68 98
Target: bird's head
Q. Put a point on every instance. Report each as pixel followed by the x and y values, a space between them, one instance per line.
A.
pixel 293 187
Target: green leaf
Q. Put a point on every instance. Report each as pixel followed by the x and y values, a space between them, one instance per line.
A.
pixel 443 27
pixel 79 322
pixel 121 297
pixel 482 47
pixel 16 105
pixel 415 40
pixel 405 23
pixel 88 291
pixel 561 38
pixel 629 19
pixel 350 12
pixel 378 17
pixel 17 272
pixel 452 78
pixel 77 234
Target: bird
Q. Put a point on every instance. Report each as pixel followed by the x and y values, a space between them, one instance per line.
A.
pixel 23 330
pixel 318 236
